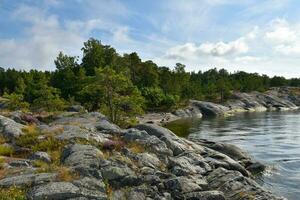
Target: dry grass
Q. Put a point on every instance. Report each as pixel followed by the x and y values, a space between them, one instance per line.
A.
pixel 30 137
pixel 2 139
pixel 66 174
pixel 30 129
pixel 135 147
pixel 109 189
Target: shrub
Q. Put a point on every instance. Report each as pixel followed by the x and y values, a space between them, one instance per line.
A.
pixel 153 96
pixel 16 101
pixel 30 137
pixel 113 145
pixel 12 193
pixel 6 151
pixel 50 144
pixel 169 101
pixel 2 139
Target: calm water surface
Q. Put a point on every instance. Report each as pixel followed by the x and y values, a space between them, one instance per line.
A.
pixel 270 137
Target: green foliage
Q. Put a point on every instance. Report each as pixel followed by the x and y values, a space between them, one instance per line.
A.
pixel 153 96
pixel 113 84
pixel 6 150
pixel 12 193
pixel 120 97
pixel 50 144
pixel 16 101
pixel 30 137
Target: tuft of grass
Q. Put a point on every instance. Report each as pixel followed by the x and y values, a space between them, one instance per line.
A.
pixel 30 137
pixel 136 147
pixel 50 144
pixel 109 189
pixel 66 174
pixel 6 151
pixel 12 193
pixel 2 139
pixel 44 167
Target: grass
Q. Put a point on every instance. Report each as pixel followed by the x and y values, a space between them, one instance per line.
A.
pixel 30 137
pixel 135 147
pixel 109 189
pixel 2 139
pixel 49 144
pixel 6 151
pixel 66 174
pixel 12 193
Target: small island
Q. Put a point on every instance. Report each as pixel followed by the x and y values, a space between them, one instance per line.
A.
pixel 93 130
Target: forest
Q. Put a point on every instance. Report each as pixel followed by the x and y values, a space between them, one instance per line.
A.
pixel 122 85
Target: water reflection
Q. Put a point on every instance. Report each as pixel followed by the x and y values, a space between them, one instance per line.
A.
pixel 271 137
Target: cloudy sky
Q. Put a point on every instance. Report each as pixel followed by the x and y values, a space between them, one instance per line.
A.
pixel 252 35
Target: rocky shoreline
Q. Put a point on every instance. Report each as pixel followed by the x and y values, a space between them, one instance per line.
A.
pixel 276 99
pixel 83 156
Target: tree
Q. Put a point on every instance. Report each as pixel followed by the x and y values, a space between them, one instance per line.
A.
pixel 120 97
pixel 93 56
pixel 223 87
pixel 64 62
pixel 96 55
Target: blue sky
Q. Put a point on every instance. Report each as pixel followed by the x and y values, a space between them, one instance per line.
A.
pixel 252 35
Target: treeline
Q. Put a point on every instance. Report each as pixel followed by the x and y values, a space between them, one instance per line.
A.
pixel 123 85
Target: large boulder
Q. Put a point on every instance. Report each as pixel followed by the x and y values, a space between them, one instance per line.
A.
pixel 9 128
pixel 120 175
pixel 40 155
pixel 233 152
pixel 75 132
pixel 174 143
pixel 185 184
pixel 190 111
pixel 235 186
pixel 210 109
pixel 85 159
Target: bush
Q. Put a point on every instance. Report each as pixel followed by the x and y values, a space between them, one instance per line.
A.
pixel 49 145
pixel 169 101
pixel 6 151
pixel 30 137
pixel 16 101
pixel 12 193
pixel 153 96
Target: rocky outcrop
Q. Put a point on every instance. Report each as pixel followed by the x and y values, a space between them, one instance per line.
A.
pixel 274 99
pixel 103 161
pixel 210 109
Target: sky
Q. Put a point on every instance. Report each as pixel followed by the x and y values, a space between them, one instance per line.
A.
pixel 239 35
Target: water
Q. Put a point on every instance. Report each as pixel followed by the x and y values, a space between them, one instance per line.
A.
pixel 272 138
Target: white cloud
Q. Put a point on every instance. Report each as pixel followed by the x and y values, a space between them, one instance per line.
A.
pixel 218 49
pixel 46 35
pixel 280 32
pixel 44 39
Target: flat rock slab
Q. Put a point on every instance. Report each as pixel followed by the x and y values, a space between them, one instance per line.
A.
pixel 28 180
pixel 62 191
